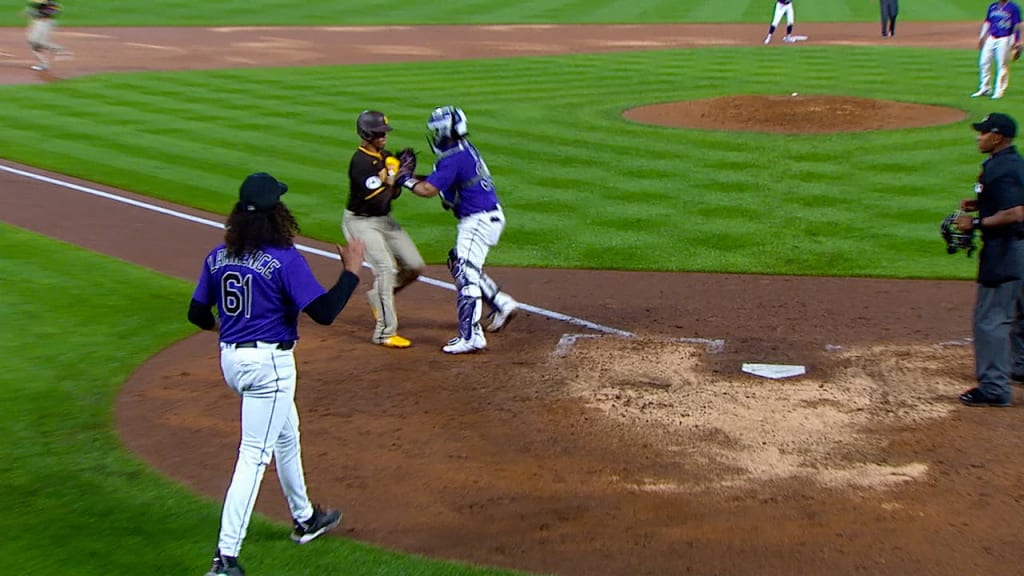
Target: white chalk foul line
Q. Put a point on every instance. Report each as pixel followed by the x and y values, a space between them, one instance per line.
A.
pixel 324 253
pixel 568 341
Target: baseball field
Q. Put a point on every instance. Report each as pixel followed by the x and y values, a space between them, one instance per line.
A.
pixel 610 430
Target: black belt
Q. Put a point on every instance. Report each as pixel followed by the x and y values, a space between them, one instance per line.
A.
pixel 286 345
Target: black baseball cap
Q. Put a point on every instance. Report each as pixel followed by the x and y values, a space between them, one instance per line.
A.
pixel 261 191
pixel 997 123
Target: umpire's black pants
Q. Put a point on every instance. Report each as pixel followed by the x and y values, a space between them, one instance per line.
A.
pixel 995 315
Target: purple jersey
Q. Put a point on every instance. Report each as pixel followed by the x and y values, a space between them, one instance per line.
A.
pixel 784 1
pixel 258 296
pixel 464 180
pixel 1002 19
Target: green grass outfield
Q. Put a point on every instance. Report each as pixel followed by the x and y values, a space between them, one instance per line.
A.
pixel 352 12
pixel 582 187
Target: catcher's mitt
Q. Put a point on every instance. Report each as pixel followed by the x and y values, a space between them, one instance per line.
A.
pixel 406 162
pixel 955 238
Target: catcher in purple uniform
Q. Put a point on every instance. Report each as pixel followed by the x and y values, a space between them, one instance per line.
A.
pixel 463 181
pixel 259 283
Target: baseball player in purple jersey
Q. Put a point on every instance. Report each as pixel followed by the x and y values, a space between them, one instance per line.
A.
pixel 259 283
pixel 464 183
pixel 1000 32
pixel 782 8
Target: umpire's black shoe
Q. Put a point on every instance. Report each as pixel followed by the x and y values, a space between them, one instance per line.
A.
pixel 320 522
pixel 975 397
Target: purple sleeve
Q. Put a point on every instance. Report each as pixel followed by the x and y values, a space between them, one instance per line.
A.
pixel 204 289
pixel 444 174
pixel 299 281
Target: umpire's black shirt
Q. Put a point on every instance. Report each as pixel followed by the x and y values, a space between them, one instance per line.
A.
pixel 1001 187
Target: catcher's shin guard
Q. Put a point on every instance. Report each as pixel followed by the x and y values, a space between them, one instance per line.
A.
pixel 470 307
pixel 470 310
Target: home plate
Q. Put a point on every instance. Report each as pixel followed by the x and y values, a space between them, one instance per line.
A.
pixel 774 371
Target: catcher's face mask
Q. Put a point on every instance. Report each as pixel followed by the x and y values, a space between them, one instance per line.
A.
pixel 445 124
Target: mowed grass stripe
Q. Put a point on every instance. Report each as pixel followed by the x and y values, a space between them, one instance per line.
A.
pixel 564 158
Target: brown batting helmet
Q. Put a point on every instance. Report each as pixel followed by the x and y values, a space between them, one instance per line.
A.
pixel 372 124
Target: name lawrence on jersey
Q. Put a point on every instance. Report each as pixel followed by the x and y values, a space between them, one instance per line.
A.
pixel 259 261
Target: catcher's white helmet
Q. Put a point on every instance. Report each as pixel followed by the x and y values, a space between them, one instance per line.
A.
pixel 446 123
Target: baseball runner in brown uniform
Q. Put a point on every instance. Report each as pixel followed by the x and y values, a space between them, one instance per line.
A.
pixel 42 15
pixel 390 251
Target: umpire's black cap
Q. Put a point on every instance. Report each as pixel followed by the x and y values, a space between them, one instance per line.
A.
pixel 261 191
pixel 998 123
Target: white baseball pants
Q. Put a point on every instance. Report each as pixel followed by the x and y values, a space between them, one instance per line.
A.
pixel 38 36
pixel 477 234
pixel 997 49
pixel 265 378
pixel 783 10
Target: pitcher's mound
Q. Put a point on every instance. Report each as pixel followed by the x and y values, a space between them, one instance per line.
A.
pixel 800 114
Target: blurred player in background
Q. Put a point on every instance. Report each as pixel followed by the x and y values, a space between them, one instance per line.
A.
pixel 42 18
pixel 889 10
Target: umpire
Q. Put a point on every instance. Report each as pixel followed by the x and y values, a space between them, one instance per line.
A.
pixel 1000 218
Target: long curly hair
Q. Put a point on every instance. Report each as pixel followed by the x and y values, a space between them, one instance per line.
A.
pixel 248 231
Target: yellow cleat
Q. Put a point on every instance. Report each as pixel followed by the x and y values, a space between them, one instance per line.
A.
pixel 396 341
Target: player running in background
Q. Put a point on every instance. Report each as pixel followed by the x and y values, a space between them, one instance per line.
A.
pixel 42 17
